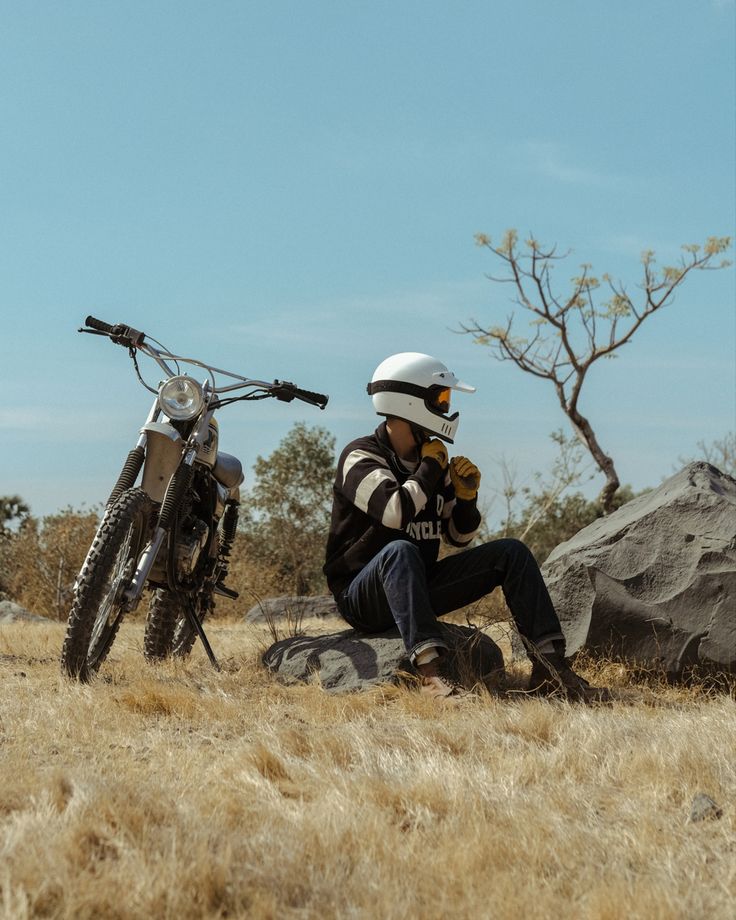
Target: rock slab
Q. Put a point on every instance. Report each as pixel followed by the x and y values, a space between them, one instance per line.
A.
pixel 655 582
pixel 292 608
pixel 349 660
pixel 10 612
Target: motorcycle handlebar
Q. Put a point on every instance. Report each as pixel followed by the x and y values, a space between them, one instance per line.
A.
pixel 99 325
pixel 119 333
pixel 316 399
pixel 286 391
pixel 132 338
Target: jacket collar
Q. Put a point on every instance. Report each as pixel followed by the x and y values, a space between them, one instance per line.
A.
pixel 395 461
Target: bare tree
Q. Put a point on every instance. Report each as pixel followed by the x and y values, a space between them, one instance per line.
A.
pixel 721 454
pixel 571 333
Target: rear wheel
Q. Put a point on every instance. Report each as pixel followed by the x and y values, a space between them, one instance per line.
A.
pixel 99 602
pixel 167 628
pixel 163 610
pixel 184 636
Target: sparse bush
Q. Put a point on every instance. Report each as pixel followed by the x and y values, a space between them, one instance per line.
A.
pixel 286 516
pixel 249 575
pixel 721 453
pixel 12 509
pixel 547 513
pixel 561 519
pixel 41 560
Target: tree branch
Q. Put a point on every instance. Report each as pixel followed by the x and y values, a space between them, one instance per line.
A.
pixel 552 353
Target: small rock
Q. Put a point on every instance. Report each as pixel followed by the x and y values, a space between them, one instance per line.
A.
pixel 11 612
pixel 704 808
pixel 294 608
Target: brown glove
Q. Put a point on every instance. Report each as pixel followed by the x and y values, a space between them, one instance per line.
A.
pixel 437 451
pixel 465 477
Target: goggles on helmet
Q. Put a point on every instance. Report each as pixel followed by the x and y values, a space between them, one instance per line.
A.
pixel 436 398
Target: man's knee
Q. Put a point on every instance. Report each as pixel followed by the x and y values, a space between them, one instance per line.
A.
pixel 516 547
pixel 508 552
pixel 400 550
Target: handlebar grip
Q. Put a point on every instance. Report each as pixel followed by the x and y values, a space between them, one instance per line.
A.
pixel 317 399
pixel 99 325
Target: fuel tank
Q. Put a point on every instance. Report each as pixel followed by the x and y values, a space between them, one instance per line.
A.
pixel 207 452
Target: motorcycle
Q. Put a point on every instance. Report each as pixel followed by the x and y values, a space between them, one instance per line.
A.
pixel 173 532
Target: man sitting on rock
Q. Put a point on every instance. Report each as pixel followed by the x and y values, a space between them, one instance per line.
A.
pixel 396 495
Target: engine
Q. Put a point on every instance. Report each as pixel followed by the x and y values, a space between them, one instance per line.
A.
pixel 192 540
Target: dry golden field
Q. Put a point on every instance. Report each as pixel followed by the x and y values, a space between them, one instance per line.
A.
pixel 177 792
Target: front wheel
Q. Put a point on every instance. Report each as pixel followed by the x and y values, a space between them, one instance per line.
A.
pixel 99 602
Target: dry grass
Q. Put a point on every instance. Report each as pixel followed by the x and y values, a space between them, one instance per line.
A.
pixel 178 792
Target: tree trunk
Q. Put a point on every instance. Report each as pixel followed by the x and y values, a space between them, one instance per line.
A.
pixel 604 462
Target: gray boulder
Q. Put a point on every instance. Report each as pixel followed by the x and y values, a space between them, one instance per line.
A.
pixel 292 608
pixel 350 660
pixel 655 582
pixel 10 612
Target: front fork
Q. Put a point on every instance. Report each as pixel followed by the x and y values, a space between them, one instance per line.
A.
pixel 134 462
pixel 175 491
pixel 128 476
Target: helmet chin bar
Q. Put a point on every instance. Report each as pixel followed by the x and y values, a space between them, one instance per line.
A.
pixel 419 432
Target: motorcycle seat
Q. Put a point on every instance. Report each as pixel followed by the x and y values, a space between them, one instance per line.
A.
pixel 228 470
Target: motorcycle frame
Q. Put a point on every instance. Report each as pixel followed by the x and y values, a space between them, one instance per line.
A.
pixel 161 452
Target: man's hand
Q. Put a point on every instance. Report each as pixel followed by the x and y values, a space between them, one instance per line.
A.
pixel 436 450
pixel 465 476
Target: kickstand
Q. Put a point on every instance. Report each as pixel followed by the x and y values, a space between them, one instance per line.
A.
pixel 196 624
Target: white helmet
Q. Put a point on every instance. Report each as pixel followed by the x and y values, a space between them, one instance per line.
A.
pixel 416 388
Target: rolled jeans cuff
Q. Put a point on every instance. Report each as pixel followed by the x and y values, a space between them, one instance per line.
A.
pixel 425 644
pixel 552 642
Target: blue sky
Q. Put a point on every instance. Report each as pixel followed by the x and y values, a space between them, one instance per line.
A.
pixel 292 189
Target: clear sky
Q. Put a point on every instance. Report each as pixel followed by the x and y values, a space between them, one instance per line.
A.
pixel 291 189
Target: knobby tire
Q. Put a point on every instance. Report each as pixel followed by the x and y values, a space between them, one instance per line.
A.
pixel 98 608
pixel 184 636
pixel 167 629
pixel 163 611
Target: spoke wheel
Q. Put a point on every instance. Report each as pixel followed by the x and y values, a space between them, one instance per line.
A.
pixel 184 636
pixel 167 629
pixel 99 603
pixel 163 610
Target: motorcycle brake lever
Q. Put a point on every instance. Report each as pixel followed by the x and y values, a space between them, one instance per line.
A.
pixel 120 335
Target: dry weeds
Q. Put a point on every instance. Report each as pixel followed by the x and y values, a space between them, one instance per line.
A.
pixel 177 792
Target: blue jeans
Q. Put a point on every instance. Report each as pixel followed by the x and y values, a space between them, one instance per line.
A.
pixel 397 588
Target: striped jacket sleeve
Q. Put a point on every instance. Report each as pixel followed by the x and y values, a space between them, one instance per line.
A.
pixel 460 519
pixel 366 480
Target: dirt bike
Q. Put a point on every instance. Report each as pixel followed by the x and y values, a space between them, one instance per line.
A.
pixel 173 532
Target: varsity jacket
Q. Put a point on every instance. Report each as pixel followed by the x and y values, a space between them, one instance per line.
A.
pixel 376 500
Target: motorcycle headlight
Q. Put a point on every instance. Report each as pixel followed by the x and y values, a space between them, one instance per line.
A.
pixel 181 398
